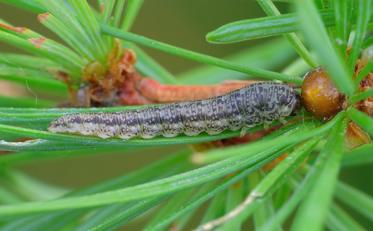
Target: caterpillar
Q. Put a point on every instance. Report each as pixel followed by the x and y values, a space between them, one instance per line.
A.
pixel 255 104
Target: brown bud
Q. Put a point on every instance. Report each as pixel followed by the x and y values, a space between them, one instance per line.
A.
pixel 367 104
pixel 320 96
pixel 355 136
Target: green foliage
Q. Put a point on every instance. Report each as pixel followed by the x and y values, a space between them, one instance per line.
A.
pixel 197 56
pixel 260 27
pixel 313 211
pixel 327 54
pixel 170 191
pixel 362 119
pixel 271 9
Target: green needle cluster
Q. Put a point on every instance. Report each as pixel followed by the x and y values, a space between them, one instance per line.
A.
pixel 302 191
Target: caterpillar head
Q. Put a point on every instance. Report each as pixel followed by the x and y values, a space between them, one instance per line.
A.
pixel 276 101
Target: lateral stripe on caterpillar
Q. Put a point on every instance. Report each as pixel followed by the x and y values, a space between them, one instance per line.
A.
pixel 246 107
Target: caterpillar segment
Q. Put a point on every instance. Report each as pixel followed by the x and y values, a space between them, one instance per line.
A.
pixel 255 104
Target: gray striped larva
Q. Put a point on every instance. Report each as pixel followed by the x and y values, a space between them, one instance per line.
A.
pixel 255 104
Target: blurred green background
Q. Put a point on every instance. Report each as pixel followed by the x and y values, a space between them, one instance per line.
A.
pixel 181 23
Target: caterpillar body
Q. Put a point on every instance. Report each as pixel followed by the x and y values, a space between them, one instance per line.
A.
pixel 255 104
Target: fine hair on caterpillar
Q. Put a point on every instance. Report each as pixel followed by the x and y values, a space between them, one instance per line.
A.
pixel 258 103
